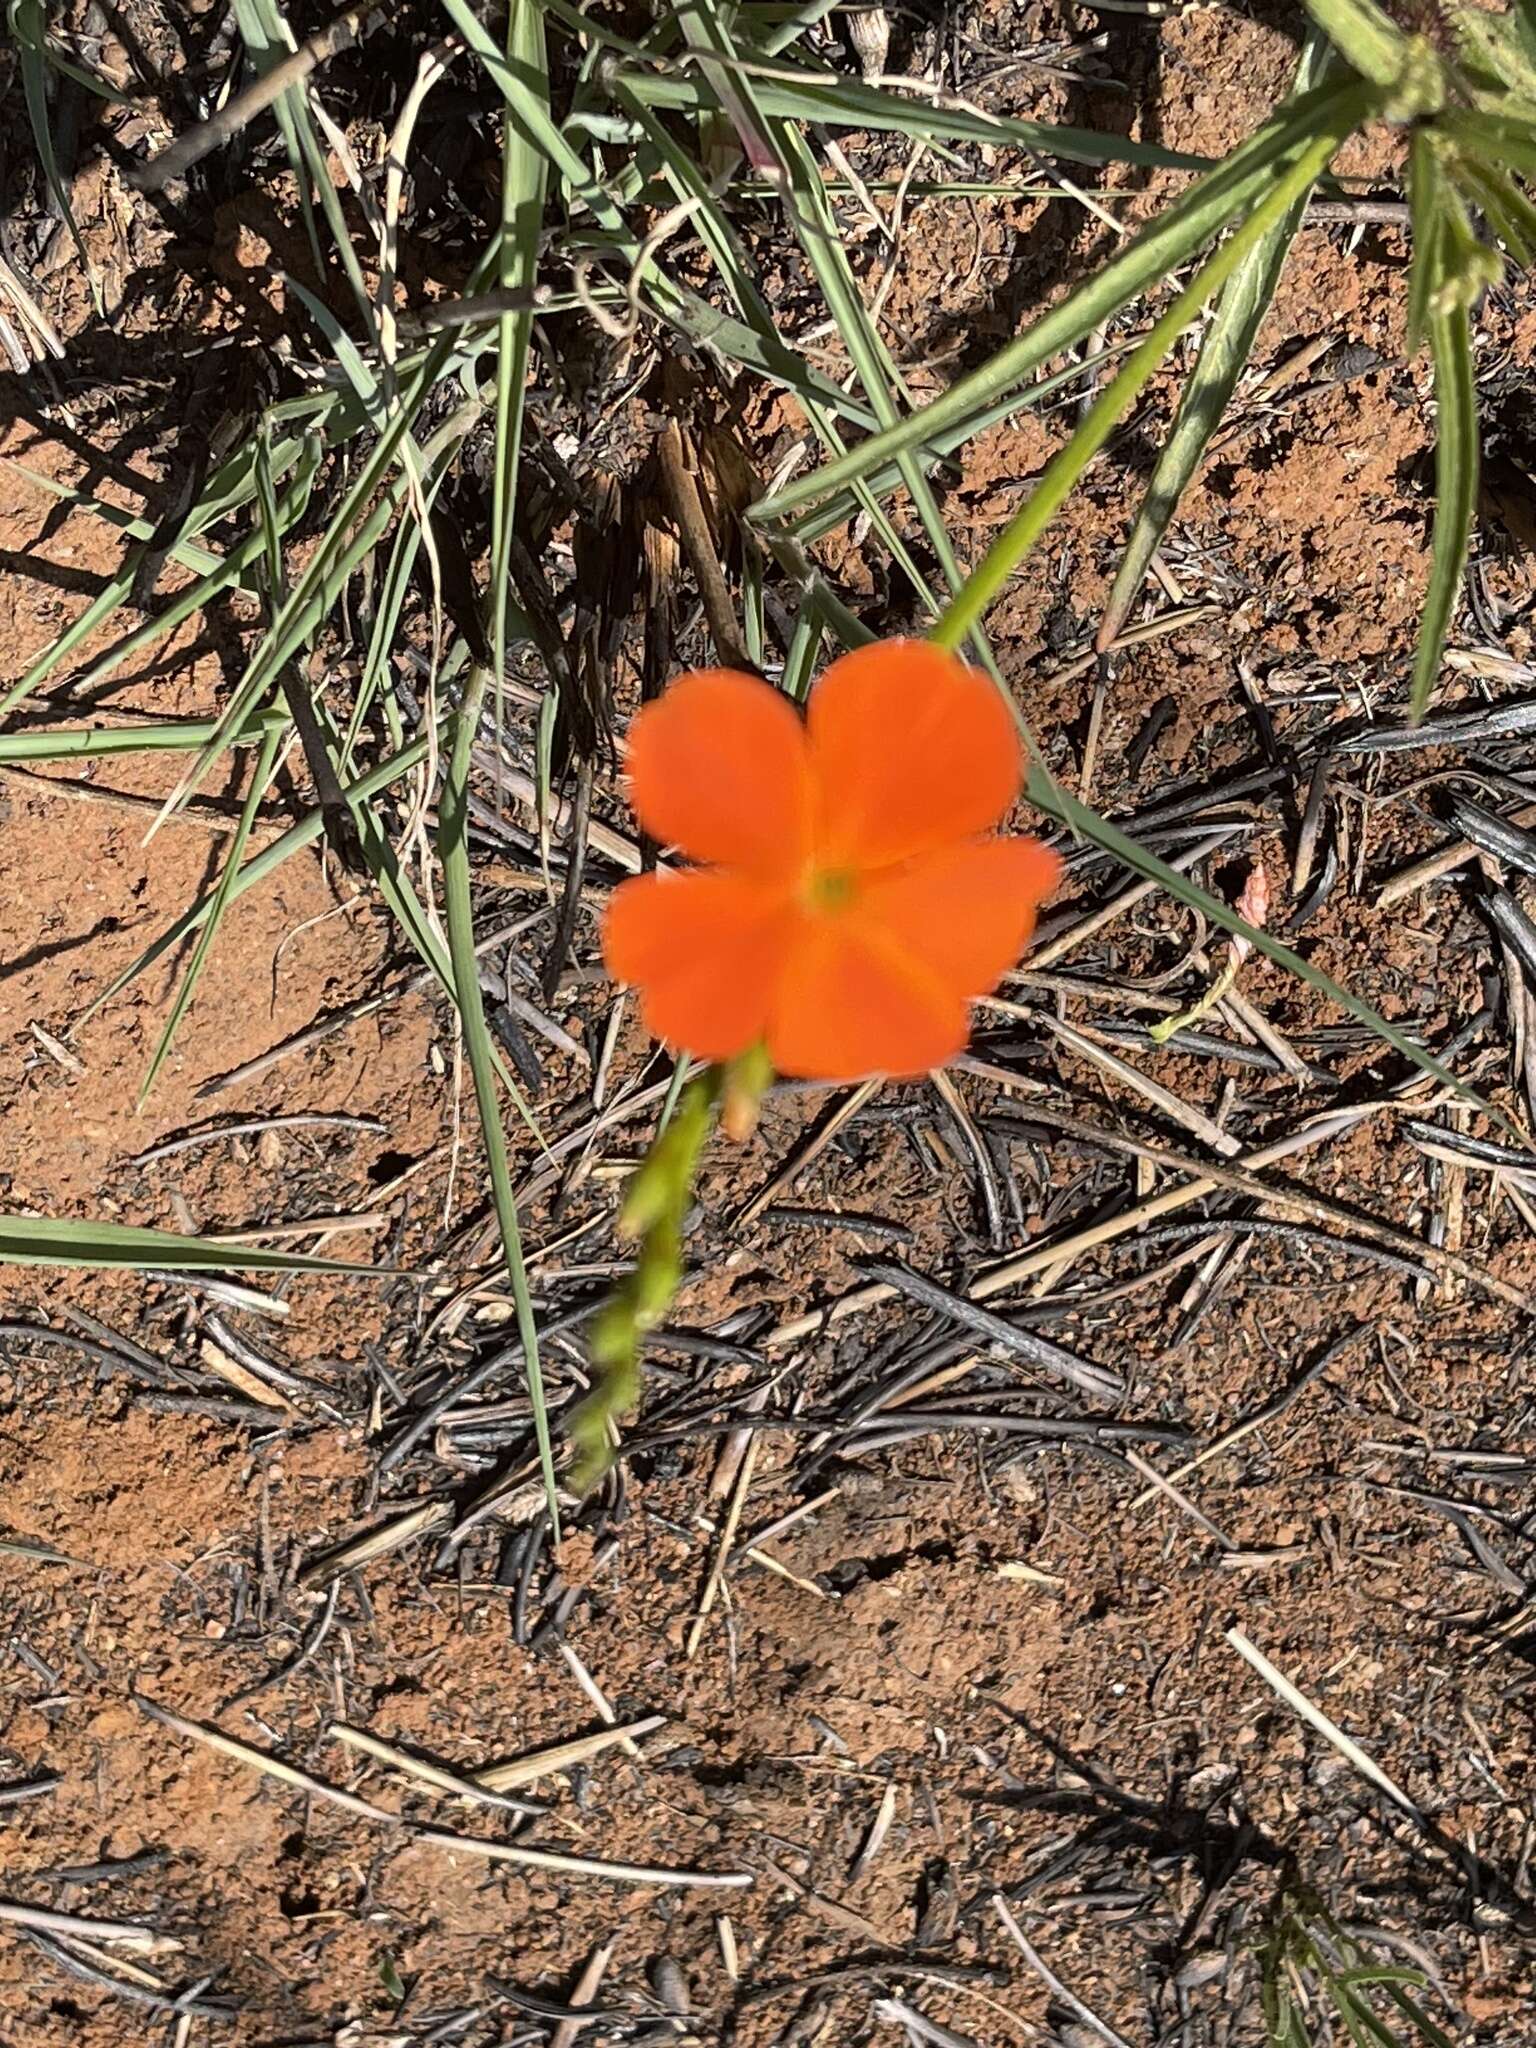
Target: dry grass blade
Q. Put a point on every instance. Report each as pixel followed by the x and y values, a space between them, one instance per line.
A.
pixel 1314 1716
pixel 526 1857
pixel 261 1760
pixel 125 1933
pixel 418 1521
pixel 521 1771
pixel 584 1866
pixel 1089 2020
pixel 418 1768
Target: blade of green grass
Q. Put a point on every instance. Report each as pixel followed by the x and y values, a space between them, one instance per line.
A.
pixel 829 513
pixel 1456 467
pixel 1365 35
pixel 1112 404
pixel 1426 204
pixel 29 32
pixel 91 743
pixel 1505 207
pixel 1090 825
pixel 1224 353
pixel 1245 179
pixel 453 851
pixel 51 1241
pixel 845 103
pixel 524 170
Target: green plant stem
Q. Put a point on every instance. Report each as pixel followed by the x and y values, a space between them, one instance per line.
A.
pixel 453 850
pixel 653 1211
pixel 990 575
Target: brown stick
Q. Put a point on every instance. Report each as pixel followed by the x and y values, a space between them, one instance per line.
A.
pixel 226 124
pixel 686 507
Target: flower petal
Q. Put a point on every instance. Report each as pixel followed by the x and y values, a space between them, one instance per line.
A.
pixel 909 749
pixel 718 767
pixel 851 1005
pixel 706 951
pixel 966 912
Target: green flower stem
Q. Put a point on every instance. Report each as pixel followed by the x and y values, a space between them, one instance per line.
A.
pixel 653 1210
pixel 1346 112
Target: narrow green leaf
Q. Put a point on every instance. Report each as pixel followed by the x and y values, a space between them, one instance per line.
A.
pixel 1243 180
pixel 523 176
pixel 523 169
pixel 1245 301
pixel 50 1241
pixel 1365 35
pixel 1098 831
pixel 1426 192
pixel 92 744
pixel 845 103
pixel 1456 467
pixel 357 527
pixel 453 851
pixel 1064 469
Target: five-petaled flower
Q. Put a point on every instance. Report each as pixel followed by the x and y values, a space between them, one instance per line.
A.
pixel 850 898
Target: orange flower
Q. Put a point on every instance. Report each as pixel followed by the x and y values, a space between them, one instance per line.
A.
pixel 847 903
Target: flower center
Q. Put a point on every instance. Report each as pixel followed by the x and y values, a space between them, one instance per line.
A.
pixel 829 888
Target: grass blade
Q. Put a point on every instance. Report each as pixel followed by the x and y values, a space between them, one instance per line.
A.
pixel 1090 825
pixel 1456 467
pixel 93 743
pixel 845 103
pixel 453 850
pixel 51 1241
pixel 1245 300
pixel 1242 181
pixel 524 170
pixel 1064 469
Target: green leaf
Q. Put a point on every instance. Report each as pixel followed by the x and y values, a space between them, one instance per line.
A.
pixel 1365 35
pixel 524 163
pixel 85 744
pixel 1068 464
pixel 1456 467
pixel 453 850
pixel 1098 831
pixel 1245 301
pixel 1242 181
pixel 843 103
pixel 1426 202
pixel 49 1241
